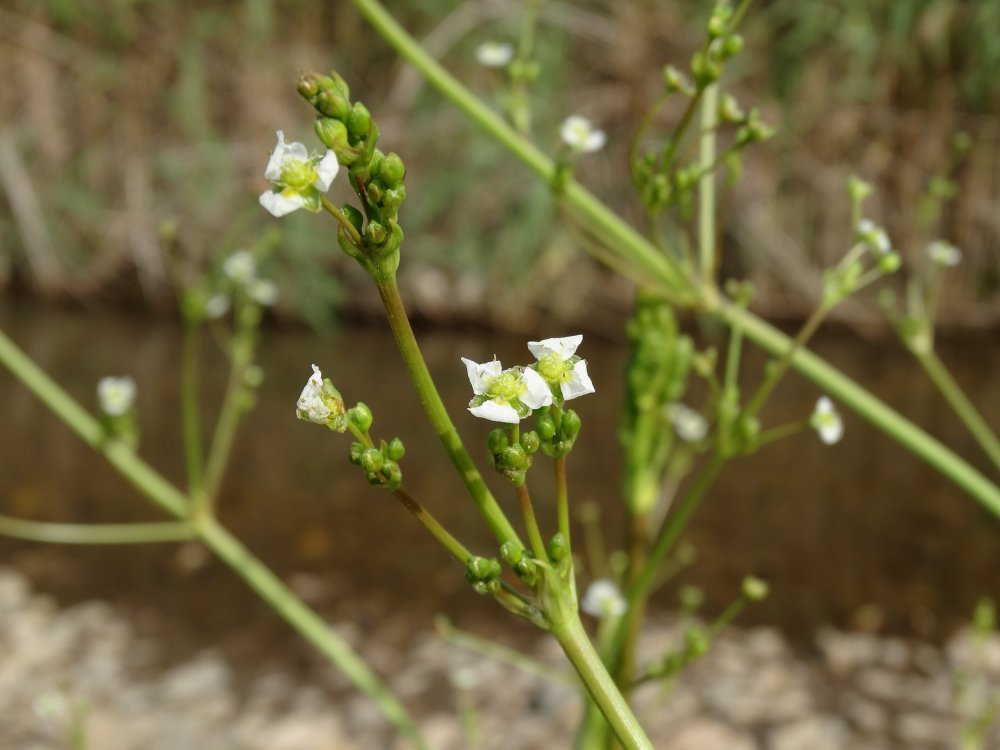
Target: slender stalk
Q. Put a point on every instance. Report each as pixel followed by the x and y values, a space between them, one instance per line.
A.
pixel 601 688
pixel 960 403
pixel 455 547
pixel 309 624
pixel 706 184
pixel 160 492
pixel 562 498
pixel 95 533
pixel 520 102
pixel 438 415
pixel 190 412
pixel 240 358
pixel 531 523
pixel 336 213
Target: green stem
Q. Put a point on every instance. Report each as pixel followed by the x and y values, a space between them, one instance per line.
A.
pixel 562 498
pixel 240 358
pixel 706 184
pixel 309 624
pixel 958 401
pixel 438 415
pixel 631 246
pixel 531 522
pixel 520 103
pixel 191 427
pixel 165 495
pixel 601 688
pixel 336 213
pixel 455 547
pixel 95 533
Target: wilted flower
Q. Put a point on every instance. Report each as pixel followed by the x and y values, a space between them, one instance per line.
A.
pixel 559 366
pixel 580 135
pixel 505 395
pixel 944 253
pixel 320 402
pixel 603 599
pixel 116 395
pixel 494 54
pixel 689 425
pixel 826 421
pixel 874 236
pixel 299 178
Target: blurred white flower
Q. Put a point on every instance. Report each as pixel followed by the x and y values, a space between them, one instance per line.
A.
pixel 263 292
pixel 603 599
pixel 241 267
pixel 494 54
pixel 944 253
pixel 116 395
pixel 874 236
pixel 689 425
pixel 580 135
pixel 826 421
pixel 216 306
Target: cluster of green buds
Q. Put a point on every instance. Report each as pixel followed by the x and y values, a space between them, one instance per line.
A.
pixel 484 574
pixel 509 456
pixel 557 430
pixel 380 464
pixel 520 561
pixel 722 43
pixel 349 131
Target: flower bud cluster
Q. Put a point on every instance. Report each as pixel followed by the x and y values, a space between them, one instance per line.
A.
pixel 350 132
pixel 484 574
pixel 511 458
pixel 380 465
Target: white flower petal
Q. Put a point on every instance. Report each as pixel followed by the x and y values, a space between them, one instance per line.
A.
pixel 278 204
pixel 538 393
pixel 310 405
pixel 327 169
pixel 494 54
pixel 240 266
pixel 603 599
pixel 263 292
pixel 579 383
pixel 564 347
pixel 282 153
pixel 580 134
pixel 481 374
pixel 944 253
pixel 116 395
pixel 689 424
pixel 826 421
pixel 496 412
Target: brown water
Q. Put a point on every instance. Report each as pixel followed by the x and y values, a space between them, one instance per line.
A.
pixel 860 534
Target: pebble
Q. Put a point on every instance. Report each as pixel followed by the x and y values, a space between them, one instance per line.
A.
pixel 750 692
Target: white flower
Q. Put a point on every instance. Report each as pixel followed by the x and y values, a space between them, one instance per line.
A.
pixel 216 306
pixel 505 395
pixel 116 395
pixel 494 54
pixel 580 135
pixel 298 177
pixel 559 365
pixel 826 421
pixel 874 236
pixel 689 425
pixel 263 292
pixel 944 253
pixel 241 267
pixel 603 599
pixel 312 405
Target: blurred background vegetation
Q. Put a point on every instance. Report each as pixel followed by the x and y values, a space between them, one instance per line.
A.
pixel 132 129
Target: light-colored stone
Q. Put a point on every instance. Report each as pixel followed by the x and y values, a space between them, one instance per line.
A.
pixel 813 733
pixel 708 734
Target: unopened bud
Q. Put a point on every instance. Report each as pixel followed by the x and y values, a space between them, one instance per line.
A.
pixel 392 170
pixel 396 449
pixel 511 552
pixel 546 427
pixel 360 416
pixel 372 460
pixel 558 548
pixel 497 441
pixel 356 452
pixel 359 120
pixel 332 133
pixel 375 233
pixel 570 424
pixel 732 46
pixel 309 86
pixel 332 104
pixel 530 441
pixel 755 589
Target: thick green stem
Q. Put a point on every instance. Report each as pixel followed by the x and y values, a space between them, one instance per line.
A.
pixel 159 491
pixel 958 401
pixel 95 533
pixel 631 246
pixel 601 688
pixel 706 184
pixel 438 415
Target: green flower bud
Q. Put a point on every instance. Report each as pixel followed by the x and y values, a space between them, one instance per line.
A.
pixel 706 69
pixel 392 170
pixel 481 569
pixel 497 441
pixel 691 598
pixel 372 460
pixel 890 262
pixel 530 441
pixel 570 424
pixel 359 120
pixel 558 548
pixel 375 234
pixel 360 416
pixel 396 449
pixel 716 26
pixel 513 457
pixel 730 110
pixel 546 427
pixel 755 589
pixel 336 82
pixel 354 216
pixel 393 475
pixel 356 452
pixel 309 86
pixel 732 46
pixel 333 105
pixel 374 192
pixel 674 80
pixel 511 552
pixel 696 643
pixel 392 199
pixel 332 134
